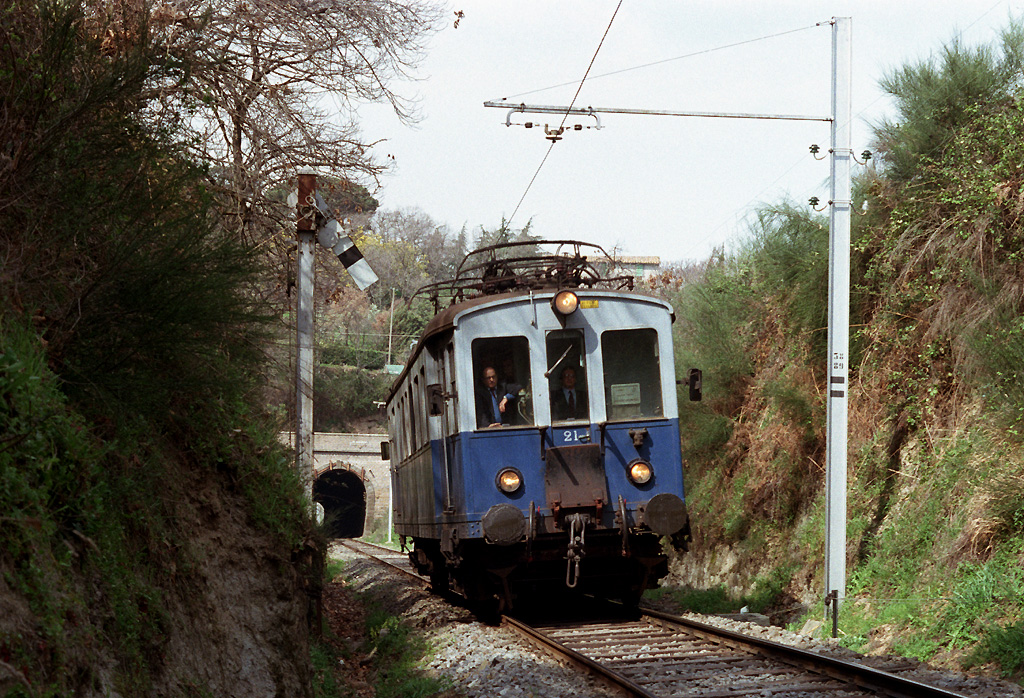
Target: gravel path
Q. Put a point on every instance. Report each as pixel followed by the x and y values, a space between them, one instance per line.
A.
pixel 484 661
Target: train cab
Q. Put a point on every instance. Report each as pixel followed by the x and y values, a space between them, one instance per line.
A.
pixel 548 450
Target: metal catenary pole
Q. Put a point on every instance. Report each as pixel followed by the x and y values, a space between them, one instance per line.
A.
pixel 838 316
pixel 839 281
pixel 306 237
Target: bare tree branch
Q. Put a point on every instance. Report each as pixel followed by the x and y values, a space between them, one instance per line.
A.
pixel 259 71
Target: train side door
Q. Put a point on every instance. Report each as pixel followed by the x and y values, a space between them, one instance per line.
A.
pixel 449 421
pixel 567 386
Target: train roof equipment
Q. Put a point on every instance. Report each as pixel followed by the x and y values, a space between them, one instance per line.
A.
pixel 521 266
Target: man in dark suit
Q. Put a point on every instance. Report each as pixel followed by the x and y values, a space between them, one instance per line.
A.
pixel 568 401
pixel 493 401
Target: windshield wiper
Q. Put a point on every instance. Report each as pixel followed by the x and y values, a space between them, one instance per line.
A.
pixel 564 354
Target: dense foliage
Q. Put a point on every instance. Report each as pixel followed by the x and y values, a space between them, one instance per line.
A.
pixel 130 361
pixel 936 497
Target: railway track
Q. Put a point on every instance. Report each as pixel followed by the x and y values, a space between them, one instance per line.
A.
pixel 659 655
pixel 394 559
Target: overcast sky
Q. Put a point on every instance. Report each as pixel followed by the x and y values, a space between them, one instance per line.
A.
pixel 646 185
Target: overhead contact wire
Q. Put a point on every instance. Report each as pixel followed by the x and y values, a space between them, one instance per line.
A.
pixel 569 109
pixel 667 60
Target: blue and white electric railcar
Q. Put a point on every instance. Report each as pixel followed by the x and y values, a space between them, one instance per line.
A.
pixel 546 498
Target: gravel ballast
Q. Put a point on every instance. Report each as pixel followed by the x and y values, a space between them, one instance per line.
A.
pixel 485 661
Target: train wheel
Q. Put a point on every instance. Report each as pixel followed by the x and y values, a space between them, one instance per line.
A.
pixel 488 611
pixel 439 577
pixel 631 588
pixel 630 597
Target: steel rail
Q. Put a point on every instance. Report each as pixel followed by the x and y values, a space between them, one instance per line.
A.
pixel 351 545
pixel 852 672
pixel 612 679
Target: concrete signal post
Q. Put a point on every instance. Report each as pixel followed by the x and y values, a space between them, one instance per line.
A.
pixel 306 238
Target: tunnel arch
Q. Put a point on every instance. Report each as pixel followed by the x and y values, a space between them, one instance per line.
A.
pixel 342 494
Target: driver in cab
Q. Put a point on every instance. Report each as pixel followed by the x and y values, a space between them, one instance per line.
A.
pixel 493 400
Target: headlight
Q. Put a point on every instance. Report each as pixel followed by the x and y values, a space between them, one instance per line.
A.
pixel 565 302
pixel 509 480
pixel 640 472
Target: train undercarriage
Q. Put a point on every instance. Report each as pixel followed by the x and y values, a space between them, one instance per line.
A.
pixel 502 577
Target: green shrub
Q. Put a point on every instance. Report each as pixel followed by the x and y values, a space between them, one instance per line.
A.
pixel 1003 645
pixel 788 257
pixel 360 351
pixel 999 347
pixel 711 601
pixel 130 355
pixel 324 659
pixel 398 651
pixel 711 331
pixel 766 591
pixel 703 434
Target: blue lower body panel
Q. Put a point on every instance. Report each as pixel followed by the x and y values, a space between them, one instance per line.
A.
pixel 575 482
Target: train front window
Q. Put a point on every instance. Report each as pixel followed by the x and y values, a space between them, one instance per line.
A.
pixel 567 376
pixel 632 373
pixel 501 382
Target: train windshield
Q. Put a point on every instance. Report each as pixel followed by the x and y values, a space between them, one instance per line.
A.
pixel 632 373
pixel 501 371
pixel 567 376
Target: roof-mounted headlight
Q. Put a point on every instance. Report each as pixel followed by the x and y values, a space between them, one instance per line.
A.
pixel 565 303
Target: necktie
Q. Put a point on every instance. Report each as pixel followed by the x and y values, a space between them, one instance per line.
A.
pixel 572 403
pixel 494 405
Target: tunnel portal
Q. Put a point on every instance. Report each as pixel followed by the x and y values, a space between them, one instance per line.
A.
pixel 343 497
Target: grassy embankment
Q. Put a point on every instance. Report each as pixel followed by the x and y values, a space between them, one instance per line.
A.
pixel 936 476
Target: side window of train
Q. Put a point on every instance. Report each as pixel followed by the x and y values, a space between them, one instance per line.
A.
pixel 396 451
pixel 502 363
pixel 407 444
pixel 399 429
pixel 453 426
pixel 632 373
pixel 413 418
pixel 421 408
pixel 567 376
